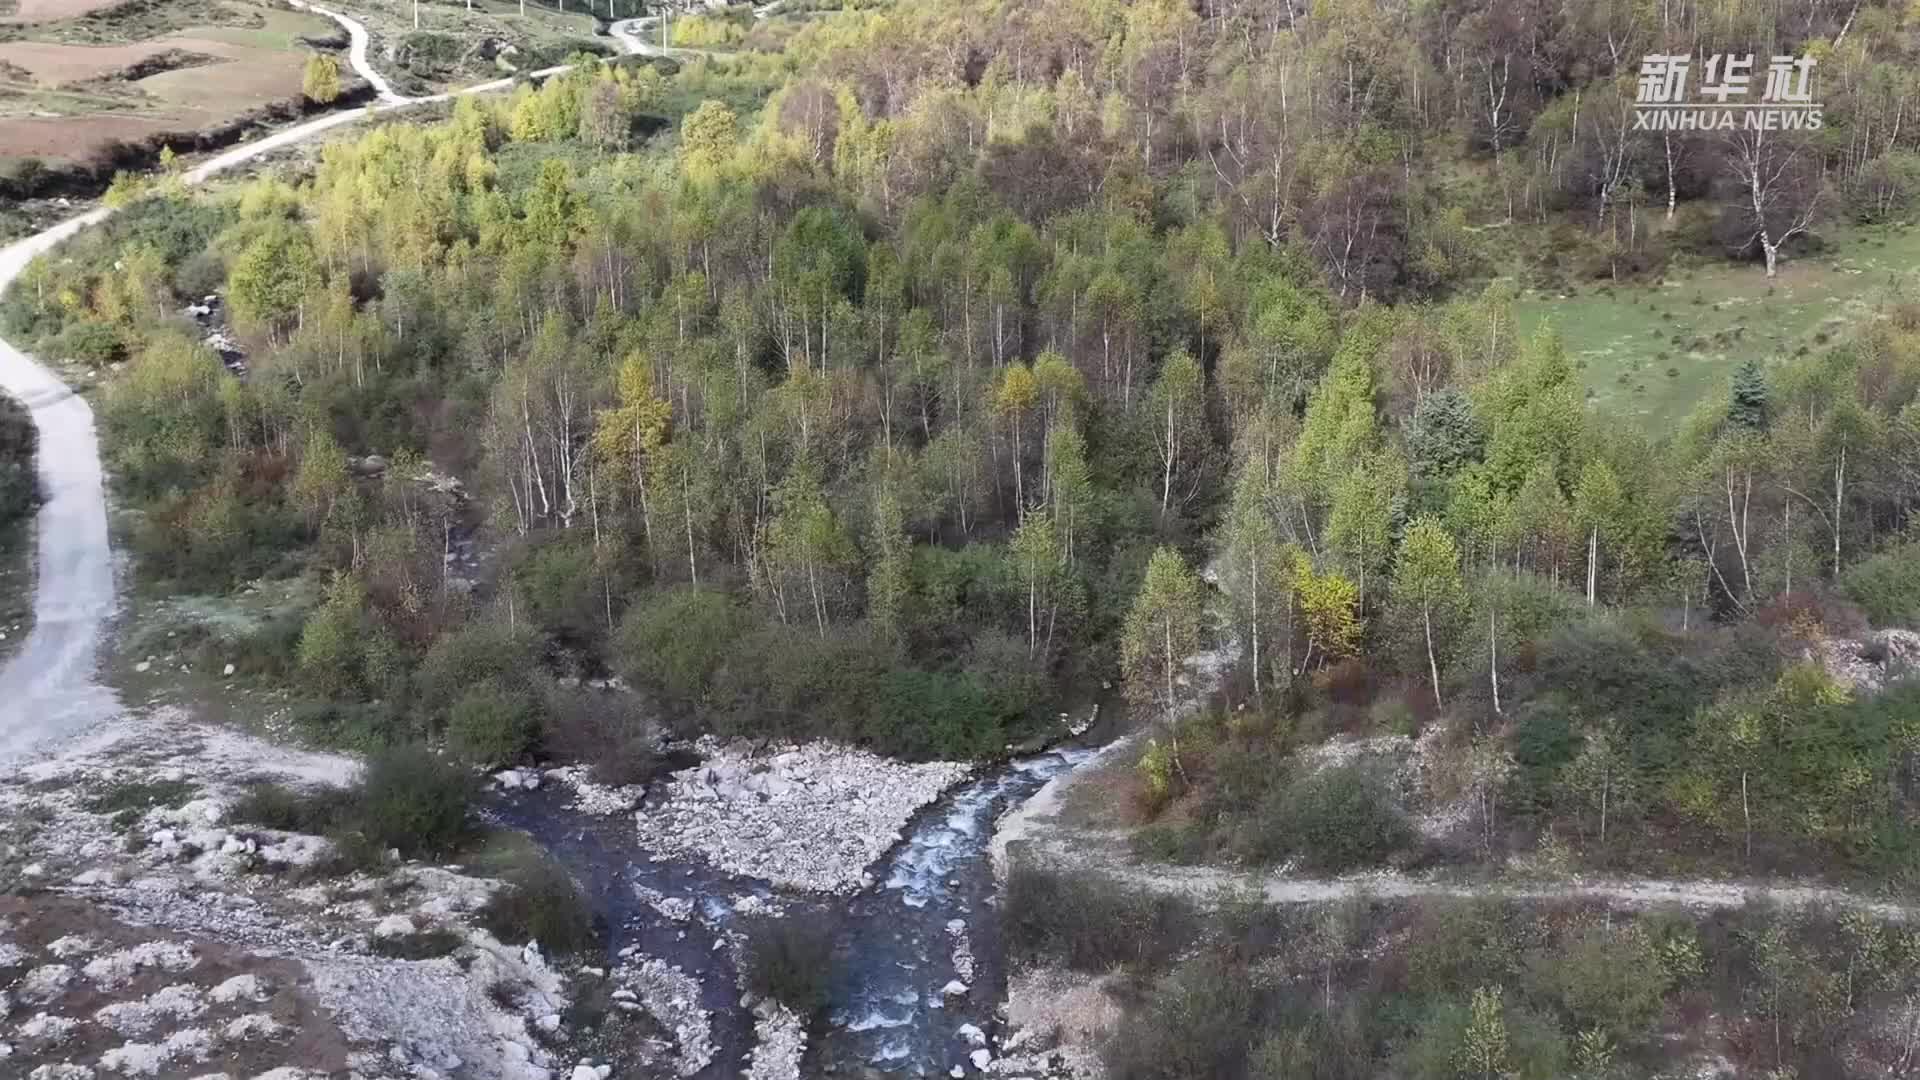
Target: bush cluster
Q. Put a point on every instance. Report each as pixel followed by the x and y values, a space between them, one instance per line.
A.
pixel 1089 922
pixel 540 902
pixel 1337 819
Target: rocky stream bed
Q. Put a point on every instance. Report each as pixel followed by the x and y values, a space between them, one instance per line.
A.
pixel 917 969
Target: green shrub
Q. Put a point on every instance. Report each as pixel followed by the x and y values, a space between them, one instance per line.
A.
pixel 1611 979
pixel 1886 586
pixel 89 341
pixel 493 724
pixel 612 733
pixel 414 801
pixel 202 274
pixel 1458 943
pixel 1198 1023
pixel 923 714
pixel 477 653
pixel 566 590
pixel 271 649
pixel 1529 1047
pixel 707 32
pixel 140 795
pixel 1338 819
pixel 790 682
pixel 674 641
pixel 540 902
pixel 1605 665
pixel 362 727
pixel 790 960
pixel 426 53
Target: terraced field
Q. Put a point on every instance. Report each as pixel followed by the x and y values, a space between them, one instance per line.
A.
pixel 80 81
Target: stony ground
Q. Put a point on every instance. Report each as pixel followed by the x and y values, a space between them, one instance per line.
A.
pixel 811 817
pixel 146 931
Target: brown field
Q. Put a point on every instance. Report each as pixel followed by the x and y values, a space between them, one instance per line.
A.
pixel 53 64
pixel 35 11
pixel 67 102
pixel 74 138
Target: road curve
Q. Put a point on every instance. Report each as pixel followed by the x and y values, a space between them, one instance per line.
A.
pixel 49 684
pixel 358 41
pixel 50 689
pixel 632 35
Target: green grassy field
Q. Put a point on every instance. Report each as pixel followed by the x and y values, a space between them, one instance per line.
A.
pixel 1652 351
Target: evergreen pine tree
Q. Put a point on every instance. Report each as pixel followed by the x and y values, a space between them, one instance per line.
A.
pixel 1749 409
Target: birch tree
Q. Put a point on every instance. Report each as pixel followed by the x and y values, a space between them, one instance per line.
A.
pixel 1162 630
pixel 1780 188
pixel 1427 585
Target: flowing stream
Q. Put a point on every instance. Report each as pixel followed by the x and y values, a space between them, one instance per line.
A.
pixel 917 959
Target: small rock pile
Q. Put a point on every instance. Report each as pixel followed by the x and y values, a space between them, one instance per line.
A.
pixel 811 817
pixel 671 997
pixel 779 1041
pixel 1870 664
pixel 593 798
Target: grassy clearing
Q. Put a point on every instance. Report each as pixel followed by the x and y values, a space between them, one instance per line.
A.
pixel 1652 351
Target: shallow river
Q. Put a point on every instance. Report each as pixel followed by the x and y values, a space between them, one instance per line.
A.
pixel 906 946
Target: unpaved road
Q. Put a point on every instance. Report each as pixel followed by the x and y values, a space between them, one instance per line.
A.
pixel 632 35
pixel 51 689
pixel 358 40
pixel 1620 892
pixel 49 684
pixel 1033 834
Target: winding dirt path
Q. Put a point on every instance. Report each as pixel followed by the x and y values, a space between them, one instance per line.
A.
pixel 1032 833
pixel 632 35
pixel 359 41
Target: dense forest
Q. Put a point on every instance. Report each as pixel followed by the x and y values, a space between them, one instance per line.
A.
pixel 895 381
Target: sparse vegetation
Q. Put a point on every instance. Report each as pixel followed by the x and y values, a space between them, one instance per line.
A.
pixel 1337 819
pixel 318 811
pixel 19 481
pixel 138 796
pixel 421 945
pixel 540 902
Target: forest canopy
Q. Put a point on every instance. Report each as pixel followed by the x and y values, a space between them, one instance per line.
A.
pixel 855 385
